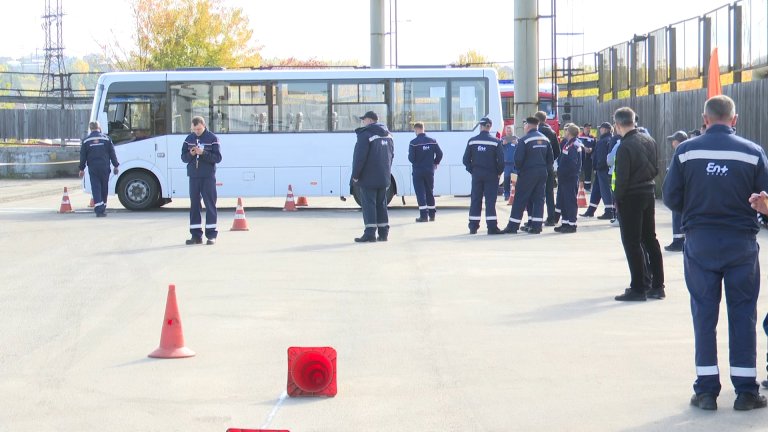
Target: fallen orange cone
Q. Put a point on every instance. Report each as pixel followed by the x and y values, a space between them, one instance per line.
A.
pixel 239 224
pixel 302 202
pixel 66 206
pixel 290 205
pixel 172 336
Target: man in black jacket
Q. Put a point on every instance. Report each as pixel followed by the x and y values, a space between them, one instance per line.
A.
pixel 636 167
pixel 549 187
pixel 371 172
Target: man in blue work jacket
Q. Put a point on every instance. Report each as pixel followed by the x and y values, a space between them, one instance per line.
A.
pixel 484 159
pixel 711 181
pixel 568 169
pixel 425 155
pixel 201 153
pixel 97 151
pixel 533 160
pixel 601 188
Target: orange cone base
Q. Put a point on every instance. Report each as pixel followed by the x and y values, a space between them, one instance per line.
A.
pixel 167 353
pixel 302 202
pixel 239 228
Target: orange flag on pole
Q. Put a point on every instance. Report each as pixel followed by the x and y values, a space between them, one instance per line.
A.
pixel 713 83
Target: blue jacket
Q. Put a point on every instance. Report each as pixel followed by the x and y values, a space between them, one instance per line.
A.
pixel 600 153
pixel 611 158
pixel 509 155
pixel 483 156
pixel 424 153
pixel 372 158
pixel 711 178
pixel 97 151
pixel 569 163
pixel 203 165
pixel 533 152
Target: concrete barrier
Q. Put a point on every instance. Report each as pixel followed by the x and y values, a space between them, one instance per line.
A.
pixel 39 162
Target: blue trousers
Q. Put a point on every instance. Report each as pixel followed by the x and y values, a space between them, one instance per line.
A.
pixel 713 260
pixel 529 192
pixel 374 203
pixel 483 187
pixel 205 188
pixel 601 189
pixel 424 185
pixel 586 167
pixel 567 198
pixel 677 222
pixel 507 180
pixel 99 188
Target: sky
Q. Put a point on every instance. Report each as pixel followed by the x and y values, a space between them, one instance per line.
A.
pixel 429 31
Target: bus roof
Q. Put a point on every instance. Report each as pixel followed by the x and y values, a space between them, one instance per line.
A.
pixel 303 74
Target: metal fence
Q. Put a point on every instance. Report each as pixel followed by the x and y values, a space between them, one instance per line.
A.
pixel 675 57
pixel 24 124
pixel 663 114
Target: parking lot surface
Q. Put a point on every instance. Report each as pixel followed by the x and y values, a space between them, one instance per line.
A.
pixel 435 330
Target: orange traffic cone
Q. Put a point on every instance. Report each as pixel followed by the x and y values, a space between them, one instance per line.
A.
pixel 239 224
pixel 582 196
pixel 311 371
pixel 172 336
pixel 290 205
pixel 511 193
pixel 302 202
pixel 66 206
pixel 91 204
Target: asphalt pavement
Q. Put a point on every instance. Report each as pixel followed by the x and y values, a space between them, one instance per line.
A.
pixel 435 330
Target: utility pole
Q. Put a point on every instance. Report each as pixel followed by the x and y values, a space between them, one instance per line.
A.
pixel 377 34
pixel 526 30
pixel 55 79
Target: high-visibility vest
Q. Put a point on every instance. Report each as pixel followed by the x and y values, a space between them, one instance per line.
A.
pixel 613 177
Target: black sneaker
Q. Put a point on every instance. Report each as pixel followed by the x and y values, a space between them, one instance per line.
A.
pixel 675 246
pixel 211 242
pixel 705 401
pixel 746 401
pixel 194 241
pixel 422 219
pixel 656 293
pixel 630 295
pixel 494 231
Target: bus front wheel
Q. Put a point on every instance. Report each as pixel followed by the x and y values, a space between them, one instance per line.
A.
pixel 138 190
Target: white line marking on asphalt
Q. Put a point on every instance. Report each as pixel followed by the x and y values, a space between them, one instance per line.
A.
pixel 271 415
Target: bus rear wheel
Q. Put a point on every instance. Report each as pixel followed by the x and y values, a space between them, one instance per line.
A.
pixel 138 190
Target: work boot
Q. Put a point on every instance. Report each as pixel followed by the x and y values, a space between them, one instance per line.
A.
pixel 494 231
pixel 368 236
pixel 534 230
pixel 432 217
pixel 587 214
pixel 630 295
pixel 676 245
pixel 656 293
pixel 746 401
pixel 422 219
pixel 510 229
pixel 705 401
pixel 605 216
pixel 194 241
pixel 211 241
pixel 550 222
pixel 568 229
pixel 525 227
pixel 383 233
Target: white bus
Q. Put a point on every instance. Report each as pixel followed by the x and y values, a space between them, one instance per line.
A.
pixel 281 127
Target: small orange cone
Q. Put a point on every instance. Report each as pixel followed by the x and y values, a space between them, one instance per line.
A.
pixel 511 193
pixel 172 336
pixel 290 205
pixel 66 206
pixel 582 196
pixel 302 202
pixel 239 224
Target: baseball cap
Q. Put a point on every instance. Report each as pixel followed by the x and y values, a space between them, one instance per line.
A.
pixel 370 115
pixel 485 121
pixel 678 136
pixel 605 125
pixel 587 124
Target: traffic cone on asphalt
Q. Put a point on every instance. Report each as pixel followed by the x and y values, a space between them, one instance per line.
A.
pixel 582 196
pixel 302 202
pixel 172 336
pixel 290 205
pixel 66 206
pixel 239 224
pixel 511 193
pixel 311 371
